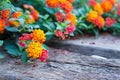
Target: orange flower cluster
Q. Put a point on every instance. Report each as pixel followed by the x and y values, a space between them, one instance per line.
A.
pixel 34 49
pixel 17 14
pixel 14 23
pixel 95 15
pixel 33 15
pixel 4 15
pixel 2 26
pixel 38 35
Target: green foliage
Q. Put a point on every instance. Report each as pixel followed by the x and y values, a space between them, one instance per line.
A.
pixel 24 57
pixel 1 56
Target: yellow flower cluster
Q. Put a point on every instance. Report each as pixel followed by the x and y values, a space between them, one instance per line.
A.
pixel 91 16
pixel 96 19
pixel 97 7
pixel 71 17
pixel 34 49
pixel 38 35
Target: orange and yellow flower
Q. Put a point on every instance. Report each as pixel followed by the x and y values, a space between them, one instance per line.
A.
pixel 14 23
pixel 97 7
pixel 34 50
pixel 5 14
pixel 35 14
pixel 17 14
pixel 52 3
pixel 38 35
pixel 62 1
pixel 70 17
pixel 99 22
pixel 112 1
pixel 71 1
pixel 66 6
pixel 107 6
pixel 91 16
pixel 2 26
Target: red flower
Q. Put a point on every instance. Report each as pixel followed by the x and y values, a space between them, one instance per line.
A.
pixel 35 14
pixel 59 16
pixel 92 2
pixel 66 6
pixel 99 22
pixel 59 33
pixel 109 21
pixel 44 56
pixel 22 40
pixel 70 29
pixel 5 14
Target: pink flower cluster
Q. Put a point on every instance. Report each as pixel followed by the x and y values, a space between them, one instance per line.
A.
pixel 92 3
pixel 110 21
pixel 44 56
pixel 69 29
pixel 23 39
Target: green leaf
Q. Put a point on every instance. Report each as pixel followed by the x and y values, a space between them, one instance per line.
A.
pixel 1 56
pixel 1 42
pixel 11 29
pixel 96 32
pixel 46 16
pixel 49 35
pixel 24 57
pixel 45 46
pixel 13 49
pixel 117 25
pixel 49 10
pixel 48 27
pixel 59 27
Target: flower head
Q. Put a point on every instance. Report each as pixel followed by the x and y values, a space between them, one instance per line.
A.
pixel 23 40
pixel 70 29
pixel 107 6
pixel 97 7
pixel 110 21
pixel 59 33
pixel 71 1
pixel 66 6
pixel 70 17
pixel 91 16
pixel 52 3
pixel 59 16
pixel 38 35
pixel 2 26
pixel 34 50
pixel 14 23
pixel 99 22
pixel 92 2
pixel 5 14
pixel 17 14
pixel 44 56
pixel 35 14
pixel 112 1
